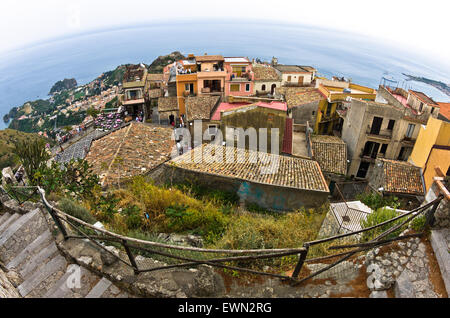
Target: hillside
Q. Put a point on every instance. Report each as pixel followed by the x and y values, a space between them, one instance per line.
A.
pixel 67 83
pixel 7 138
pixel 158 65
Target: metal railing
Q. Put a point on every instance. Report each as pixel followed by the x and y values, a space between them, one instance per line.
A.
pixel 99 235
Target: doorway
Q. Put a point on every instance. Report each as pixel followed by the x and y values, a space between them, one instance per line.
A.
pixel 376 125
pixel 363 168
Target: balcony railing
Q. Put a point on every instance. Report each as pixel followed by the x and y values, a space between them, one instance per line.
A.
pixel 385 133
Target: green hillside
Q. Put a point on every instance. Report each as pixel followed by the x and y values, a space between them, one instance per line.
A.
pixel 7 138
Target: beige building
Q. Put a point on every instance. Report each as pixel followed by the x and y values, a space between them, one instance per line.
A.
pixel 266 80
pixel 374 130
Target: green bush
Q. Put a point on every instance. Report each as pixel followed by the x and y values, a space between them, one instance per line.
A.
pixel 379 216
pixel 70 207
pixel 418 223
pixel 376 201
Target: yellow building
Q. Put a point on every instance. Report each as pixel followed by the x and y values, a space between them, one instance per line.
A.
pixel 186 86
pixel 432 149
pixel 335 93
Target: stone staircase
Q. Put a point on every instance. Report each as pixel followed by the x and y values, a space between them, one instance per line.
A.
pixel 30 256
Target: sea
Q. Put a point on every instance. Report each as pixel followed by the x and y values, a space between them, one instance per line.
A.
pixel 28 73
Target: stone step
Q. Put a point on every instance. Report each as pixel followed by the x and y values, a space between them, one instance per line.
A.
pixel 21 233
pixel 39 259
pixel 35 247
pixel 7 222
pixel 39 277
pixel 99 288
pixel 440 240
pixel 77 282
pixel 4 217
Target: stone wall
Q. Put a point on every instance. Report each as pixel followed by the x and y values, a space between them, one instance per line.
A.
pixel 7 289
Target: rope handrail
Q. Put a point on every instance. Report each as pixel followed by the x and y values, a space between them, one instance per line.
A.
pixel 169 246
pixel 302 252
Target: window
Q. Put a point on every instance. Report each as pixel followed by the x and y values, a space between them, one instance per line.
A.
pixel 383 149
pixel 247 87
pixel 212 129
pixel 371 149
pixel 263 87
pixel 410 130
pixel 270 117
pixel 391 124
pixel 235 87
pixel 421 107
pixel 289 78
pixel 432 110
pixel 313 112
pixel 329 106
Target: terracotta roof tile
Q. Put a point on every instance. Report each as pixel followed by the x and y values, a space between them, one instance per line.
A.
pixel 155 77
pixel 200 107
pixel 292 172
pixel 402 177
pixel 444 110
pixel 331 153
pixel 155 93
pixel 209 58
pixel 296 96
pixel 424 98
pixel 167 104
pixel 265 73
pixel 135 149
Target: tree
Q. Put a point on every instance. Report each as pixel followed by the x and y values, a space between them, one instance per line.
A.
pixel 32 155
pixel 92 112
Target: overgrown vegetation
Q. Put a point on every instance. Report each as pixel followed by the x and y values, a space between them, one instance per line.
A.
pixel 32 155
pixel 379 216
pixel 376 201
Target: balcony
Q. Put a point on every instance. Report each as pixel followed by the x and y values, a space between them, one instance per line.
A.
pixel 384 134
pixel 408 140
pixel 244 77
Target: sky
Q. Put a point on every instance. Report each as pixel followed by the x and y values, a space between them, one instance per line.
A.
pixel 416 25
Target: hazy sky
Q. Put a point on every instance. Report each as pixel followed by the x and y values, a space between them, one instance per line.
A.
pixel 417 25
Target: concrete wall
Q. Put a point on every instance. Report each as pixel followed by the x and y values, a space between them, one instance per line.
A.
pixel 437 158
pixel 269 197
pixel 305 113
pixel 256 117
pixel 257 87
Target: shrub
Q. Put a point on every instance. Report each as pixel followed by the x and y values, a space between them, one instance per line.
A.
pixel 268 231
pixel 418 223
pixel 379 216
pixel 70 207
pixel 376 201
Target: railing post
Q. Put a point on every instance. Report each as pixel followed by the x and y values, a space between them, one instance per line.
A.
pixel 58 223
pixel 131 257
pixel 300 262
pixel 430 213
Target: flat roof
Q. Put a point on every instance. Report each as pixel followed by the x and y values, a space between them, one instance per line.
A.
pixel 292 172
pixel 236 60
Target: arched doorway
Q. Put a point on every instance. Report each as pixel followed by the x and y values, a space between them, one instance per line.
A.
pixel 272 88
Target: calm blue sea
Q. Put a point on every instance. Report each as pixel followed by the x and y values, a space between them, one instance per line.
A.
pixel 28 73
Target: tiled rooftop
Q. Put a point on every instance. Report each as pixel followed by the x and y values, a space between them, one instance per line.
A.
pixel 200 107
pixel 292 172
pixel 290 69
pixel 331 153
pixel 402 177
pixel 444 110
pixel 209 58
pixel 265 73
pixel 296 96
pixel 424 98
pixel 167 104
pixel 155 77
pixel 136 149
pixel 155 93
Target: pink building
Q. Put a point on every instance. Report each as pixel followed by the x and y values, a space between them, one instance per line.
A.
pixel 239 80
